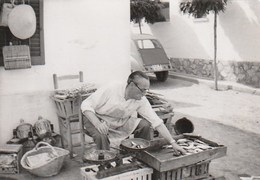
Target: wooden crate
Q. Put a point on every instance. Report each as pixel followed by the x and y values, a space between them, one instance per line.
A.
pixel 163 160
pixel 16 57
pixel 192 172
pixel 68 107
pixel 139 174
pixel 14 153
pixel 143 173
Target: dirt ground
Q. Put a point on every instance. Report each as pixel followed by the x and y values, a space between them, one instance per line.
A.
pixel 229 107
pixel 230 118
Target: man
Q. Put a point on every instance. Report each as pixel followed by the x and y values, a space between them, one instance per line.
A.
pixel 111 113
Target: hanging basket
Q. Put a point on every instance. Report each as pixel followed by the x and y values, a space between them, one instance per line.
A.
pixel 17 57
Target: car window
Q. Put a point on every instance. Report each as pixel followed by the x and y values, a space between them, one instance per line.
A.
pixel 148 44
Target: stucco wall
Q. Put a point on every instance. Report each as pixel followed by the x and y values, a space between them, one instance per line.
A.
pixel 237 33
pixel 91 36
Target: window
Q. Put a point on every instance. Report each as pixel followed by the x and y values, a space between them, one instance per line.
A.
pixel 201 18
pixel 36 42
pixel 148 44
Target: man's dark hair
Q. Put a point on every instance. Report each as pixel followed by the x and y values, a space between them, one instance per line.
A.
pixel 136 74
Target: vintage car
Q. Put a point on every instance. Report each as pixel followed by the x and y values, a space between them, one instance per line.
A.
pixel 148 55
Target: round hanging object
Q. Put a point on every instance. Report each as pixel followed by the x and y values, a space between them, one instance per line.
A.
pixel 22 21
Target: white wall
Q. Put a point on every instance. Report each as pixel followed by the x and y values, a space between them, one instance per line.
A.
pixel 238 33
pixel 86 35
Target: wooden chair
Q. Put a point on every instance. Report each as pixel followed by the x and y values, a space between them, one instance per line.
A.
pixel 56 78
pixel 65 121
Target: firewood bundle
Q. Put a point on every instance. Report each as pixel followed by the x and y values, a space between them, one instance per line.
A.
pixel 158 103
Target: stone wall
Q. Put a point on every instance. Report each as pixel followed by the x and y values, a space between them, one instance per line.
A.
pixel 247 73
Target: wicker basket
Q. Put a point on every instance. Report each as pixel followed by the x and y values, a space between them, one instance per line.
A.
pixel 46 169
pixel 17 57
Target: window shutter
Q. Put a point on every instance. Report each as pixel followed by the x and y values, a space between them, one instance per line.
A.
pixel 2 43
pixel 36 42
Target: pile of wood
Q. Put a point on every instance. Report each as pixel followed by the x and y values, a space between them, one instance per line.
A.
pixel 158 103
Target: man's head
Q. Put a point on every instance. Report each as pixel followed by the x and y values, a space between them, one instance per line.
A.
pixel 137 85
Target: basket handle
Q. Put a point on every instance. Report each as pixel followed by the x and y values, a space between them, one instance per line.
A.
pixel 47 144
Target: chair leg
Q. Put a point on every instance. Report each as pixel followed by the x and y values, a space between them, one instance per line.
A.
pixel 82 134
pixel 61 132
pixel 69 138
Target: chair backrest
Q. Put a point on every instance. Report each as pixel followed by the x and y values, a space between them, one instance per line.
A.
pixel 57 78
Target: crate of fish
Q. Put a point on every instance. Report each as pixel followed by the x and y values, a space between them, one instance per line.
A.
pixel 194 164
pixel 124 171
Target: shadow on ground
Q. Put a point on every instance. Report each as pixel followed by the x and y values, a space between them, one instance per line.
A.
pixel 178 104
pixel 165 85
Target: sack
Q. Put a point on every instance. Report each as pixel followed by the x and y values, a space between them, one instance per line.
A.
pixel 5 11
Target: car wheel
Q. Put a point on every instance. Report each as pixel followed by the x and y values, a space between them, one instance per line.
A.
pixel 162 76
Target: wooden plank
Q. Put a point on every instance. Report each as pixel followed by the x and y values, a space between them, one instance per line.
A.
pixel 178 174
pixel 174 175
pixel 67 77
pixel 163 176
pixel 169 175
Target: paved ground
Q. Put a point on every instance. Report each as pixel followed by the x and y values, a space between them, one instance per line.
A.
pixel 230 118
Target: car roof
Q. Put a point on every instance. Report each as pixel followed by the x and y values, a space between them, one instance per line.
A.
pixel 142 36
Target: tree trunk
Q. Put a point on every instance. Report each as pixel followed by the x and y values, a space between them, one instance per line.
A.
pixel 215 52
pixel 139 24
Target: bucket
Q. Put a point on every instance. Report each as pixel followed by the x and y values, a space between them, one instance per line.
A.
pixel 183 125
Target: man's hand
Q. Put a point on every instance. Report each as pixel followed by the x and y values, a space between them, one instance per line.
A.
pixel 103 128
pixel 178 149
pixel 168 107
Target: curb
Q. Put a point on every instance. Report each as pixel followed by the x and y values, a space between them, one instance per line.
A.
pixel 222 85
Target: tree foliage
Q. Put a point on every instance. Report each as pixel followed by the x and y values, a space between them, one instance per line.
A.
pixel 147 9
pixel 198 8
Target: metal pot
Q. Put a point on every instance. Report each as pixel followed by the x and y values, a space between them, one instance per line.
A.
pixel 183 125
